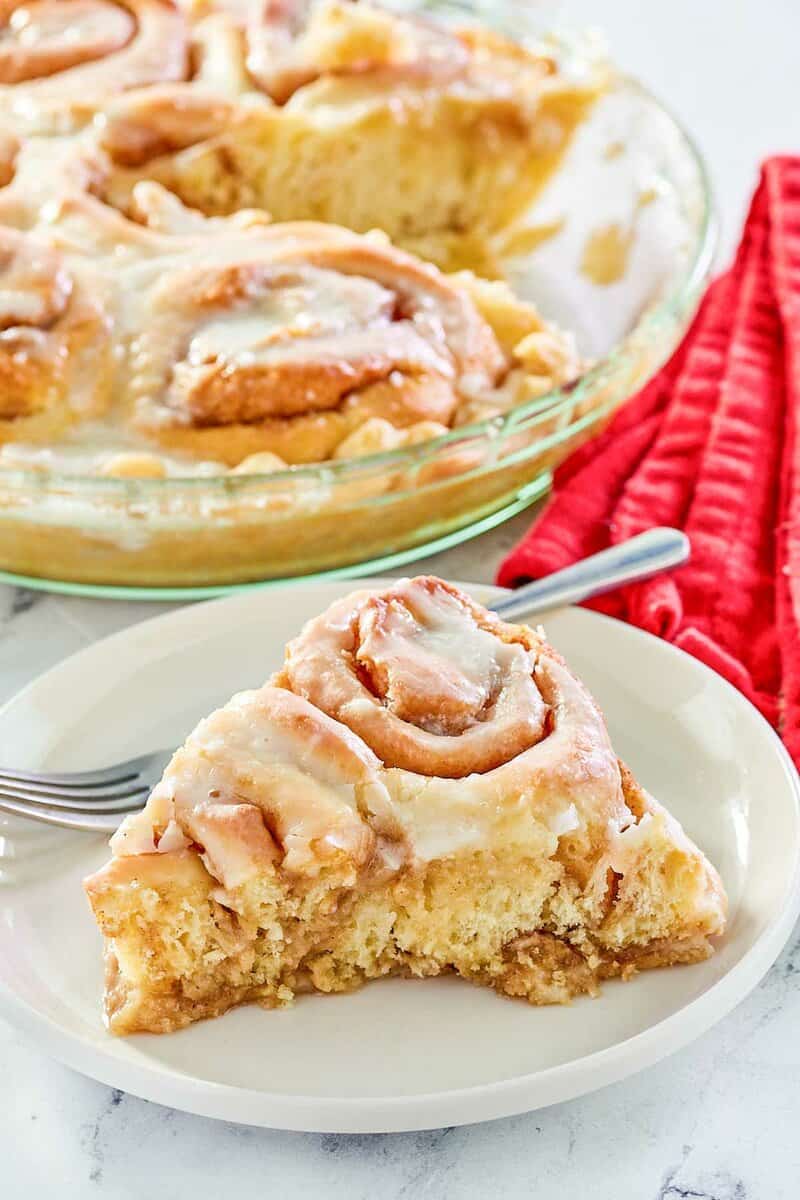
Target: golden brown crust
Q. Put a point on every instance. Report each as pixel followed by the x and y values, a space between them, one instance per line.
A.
pixel 160 121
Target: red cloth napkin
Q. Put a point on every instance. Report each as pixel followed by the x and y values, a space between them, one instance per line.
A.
pixel 712 446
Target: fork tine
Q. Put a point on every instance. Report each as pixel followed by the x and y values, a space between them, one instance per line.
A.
pixel 117 773
pixel 128 803
pixel 88 822
pixel 112 791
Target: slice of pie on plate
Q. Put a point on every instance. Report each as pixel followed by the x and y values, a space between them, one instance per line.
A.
pixel 421 789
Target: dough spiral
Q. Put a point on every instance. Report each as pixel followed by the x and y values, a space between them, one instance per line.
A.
pixel 61 59
pixel 289 338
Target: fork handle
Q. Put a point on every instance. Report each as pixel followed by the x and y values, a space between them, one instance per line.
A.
pixel 638 558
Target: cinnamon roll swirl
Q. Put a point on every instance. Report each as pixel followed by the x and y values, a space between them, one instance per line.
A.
pixel 291 46
pixel 60 59
pixel 429 679
pixel 422 788
pixel 291 337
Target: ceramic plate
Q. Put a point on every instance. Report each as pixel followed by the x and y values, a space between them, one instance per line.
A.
pixel 400 1054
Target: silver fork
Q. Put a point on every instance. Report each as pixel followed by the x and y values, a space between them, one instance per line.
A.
pixel 96 800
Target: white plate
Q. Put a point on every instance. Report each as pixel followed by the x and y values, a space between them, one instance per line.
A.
pixel 400 1054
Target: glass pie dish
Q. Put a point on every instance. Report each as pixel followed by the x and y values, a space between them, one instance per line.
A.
pixel 621 247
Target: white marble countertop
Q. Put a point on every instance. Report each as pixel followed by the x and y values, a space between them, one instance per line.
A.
pixel 718 1121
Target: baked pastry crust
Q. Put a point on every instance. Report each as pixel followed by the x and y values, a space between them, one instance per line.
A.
pixel 421 789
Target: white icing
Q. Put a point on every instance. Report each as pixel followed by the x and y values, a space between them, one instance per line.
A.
pixel 45 23
pixel 565 821
pixel 315 302
pixel 173 838
pixel 134 836
pixel 270 749
pixel 430 646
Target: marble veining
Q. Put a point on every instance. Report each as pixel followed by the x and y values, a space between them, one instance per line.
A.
pixel 93 1139
pixel 23 600
pixel 720 1186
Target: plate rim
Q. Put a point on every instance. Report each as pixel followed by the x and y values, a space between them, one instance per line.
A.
pixel 300 1112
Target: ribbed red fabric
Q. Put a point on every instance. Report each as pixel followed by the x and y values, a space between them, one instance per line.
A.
pixel 712 446
pixel 782 177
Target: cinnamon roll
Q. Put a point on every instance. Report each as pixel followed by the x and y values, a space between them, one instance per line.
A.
pixel 60 59
pixel 290 338
pixel 233 338
pixel 55 340
pixel 421 789
pixel 368 119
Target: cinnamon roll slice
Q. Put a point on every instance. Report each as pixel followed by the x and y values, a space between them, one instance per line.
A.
pixel 370 119
pixel 421 789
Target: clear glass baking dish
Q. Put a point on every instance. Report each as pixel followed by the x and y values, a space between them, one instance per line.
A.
pixel 629 245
